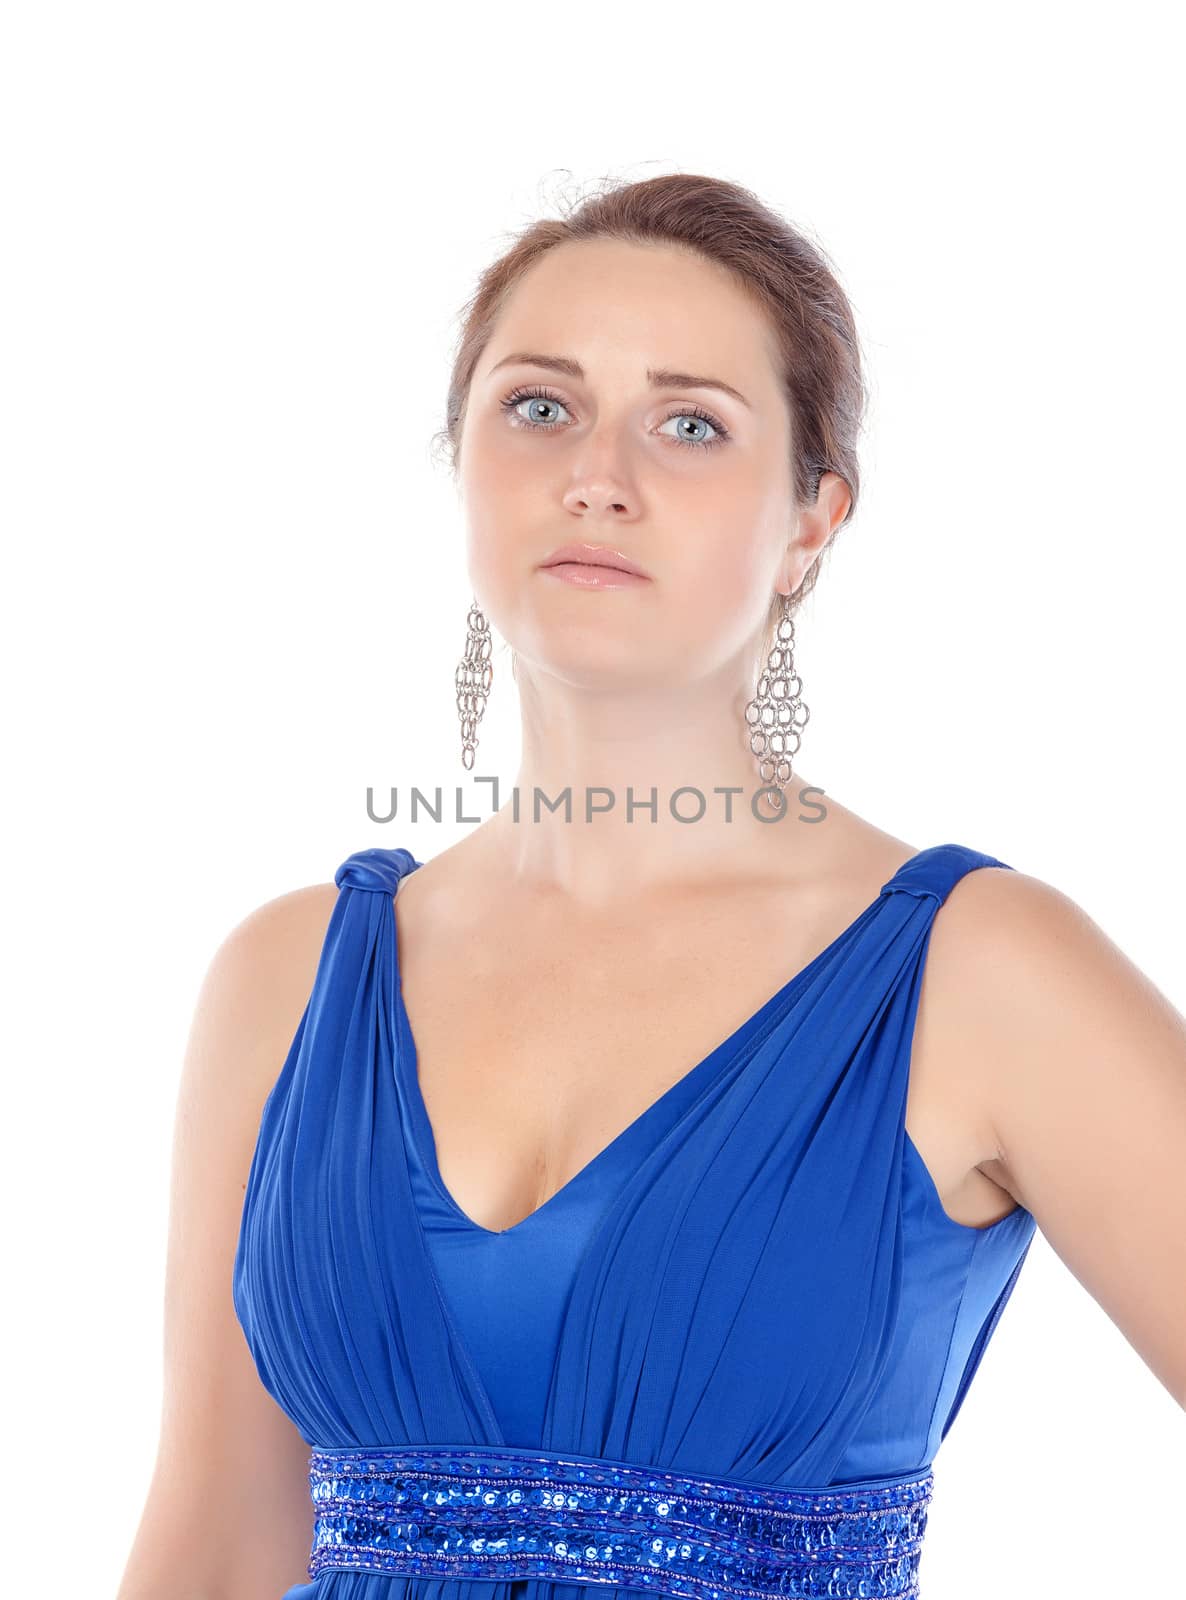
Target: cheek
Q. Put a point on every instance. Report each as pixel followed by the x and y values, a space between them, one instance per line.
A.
pixel 489 471
pixel 716 609
pixel 726 572
pixel 499 553
pixel 494 508
pixel 486 560
pixel 729 550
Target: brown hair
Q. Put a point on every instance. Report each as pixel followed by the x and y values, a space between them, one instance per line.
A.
pixel 788 275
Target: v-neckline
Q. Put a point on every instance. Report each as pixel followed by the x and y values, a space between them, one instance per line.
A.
pixel 407 1066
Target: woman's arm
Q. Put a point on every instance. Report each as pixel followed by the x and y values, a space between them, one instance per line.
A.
pixel 228 1514
pixel 1082 1062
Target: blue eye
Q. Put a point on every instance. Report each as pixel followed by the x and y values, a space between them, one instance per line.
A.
pixel 516 398
pixel 704 420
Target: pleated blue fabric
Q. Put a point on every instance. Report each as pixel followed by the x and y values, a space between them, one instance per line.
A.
pixel 755 1280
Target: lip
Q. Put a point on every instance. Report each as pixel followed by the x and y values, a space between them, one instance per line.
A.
pixel 585 576
pixel 594 555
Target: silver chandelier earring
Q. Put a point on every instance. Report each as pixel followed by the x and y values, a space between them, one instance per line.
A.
pixel 473 678
pixel 776 715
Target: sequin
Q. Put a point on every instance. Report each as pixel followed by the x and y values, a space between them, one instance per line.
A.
pixel 495 1512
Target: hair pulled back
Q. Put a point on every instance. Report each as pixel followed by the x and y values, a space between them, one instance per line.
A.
pixel 789 276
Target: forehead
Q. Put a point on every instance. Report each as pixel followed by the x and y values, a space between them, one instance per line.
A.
pixel 619 307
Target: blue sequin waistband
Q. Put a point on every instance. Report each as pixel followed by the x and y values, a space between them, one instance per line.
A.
pixel 495 1512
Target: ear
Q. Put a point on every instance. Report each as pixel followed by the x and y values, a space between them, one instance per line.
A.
pixel 815 525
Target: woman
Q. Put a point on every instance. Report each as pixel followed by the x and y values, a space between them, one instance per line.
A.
pixel 535 1291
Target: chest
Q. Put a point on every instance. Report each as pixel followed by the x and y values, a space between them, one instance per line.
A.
pixel 537 1043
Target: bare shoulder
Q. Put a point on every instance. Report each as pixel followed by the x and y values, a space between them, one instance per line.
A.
pixel 224 1442
pixel 1006 946
pixel 269 957
pixel 984 936
pixel 261 975
pixel 1080 1065
pixel 284 928
pixel 1018 977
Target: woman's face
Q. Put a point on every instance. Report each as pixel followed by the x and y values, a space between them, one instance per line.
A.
pixel 691 482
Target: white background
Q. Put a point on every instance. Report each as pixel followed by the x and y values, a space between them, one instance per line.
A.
pixel 238 238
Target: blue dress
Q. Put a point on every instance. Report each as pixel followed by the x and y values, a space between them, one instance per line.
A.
pixel 755 1281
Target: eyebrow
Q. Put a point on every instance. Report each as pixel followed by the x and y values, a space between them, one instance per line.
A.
pixel 657 377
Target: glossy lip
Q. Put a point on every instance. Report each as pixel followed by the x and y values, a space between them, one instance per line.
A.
pixel 583 575
pixel 594 555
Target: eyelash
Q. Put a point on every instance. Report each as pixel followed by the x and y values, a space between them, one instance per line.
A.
pixel 517 396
